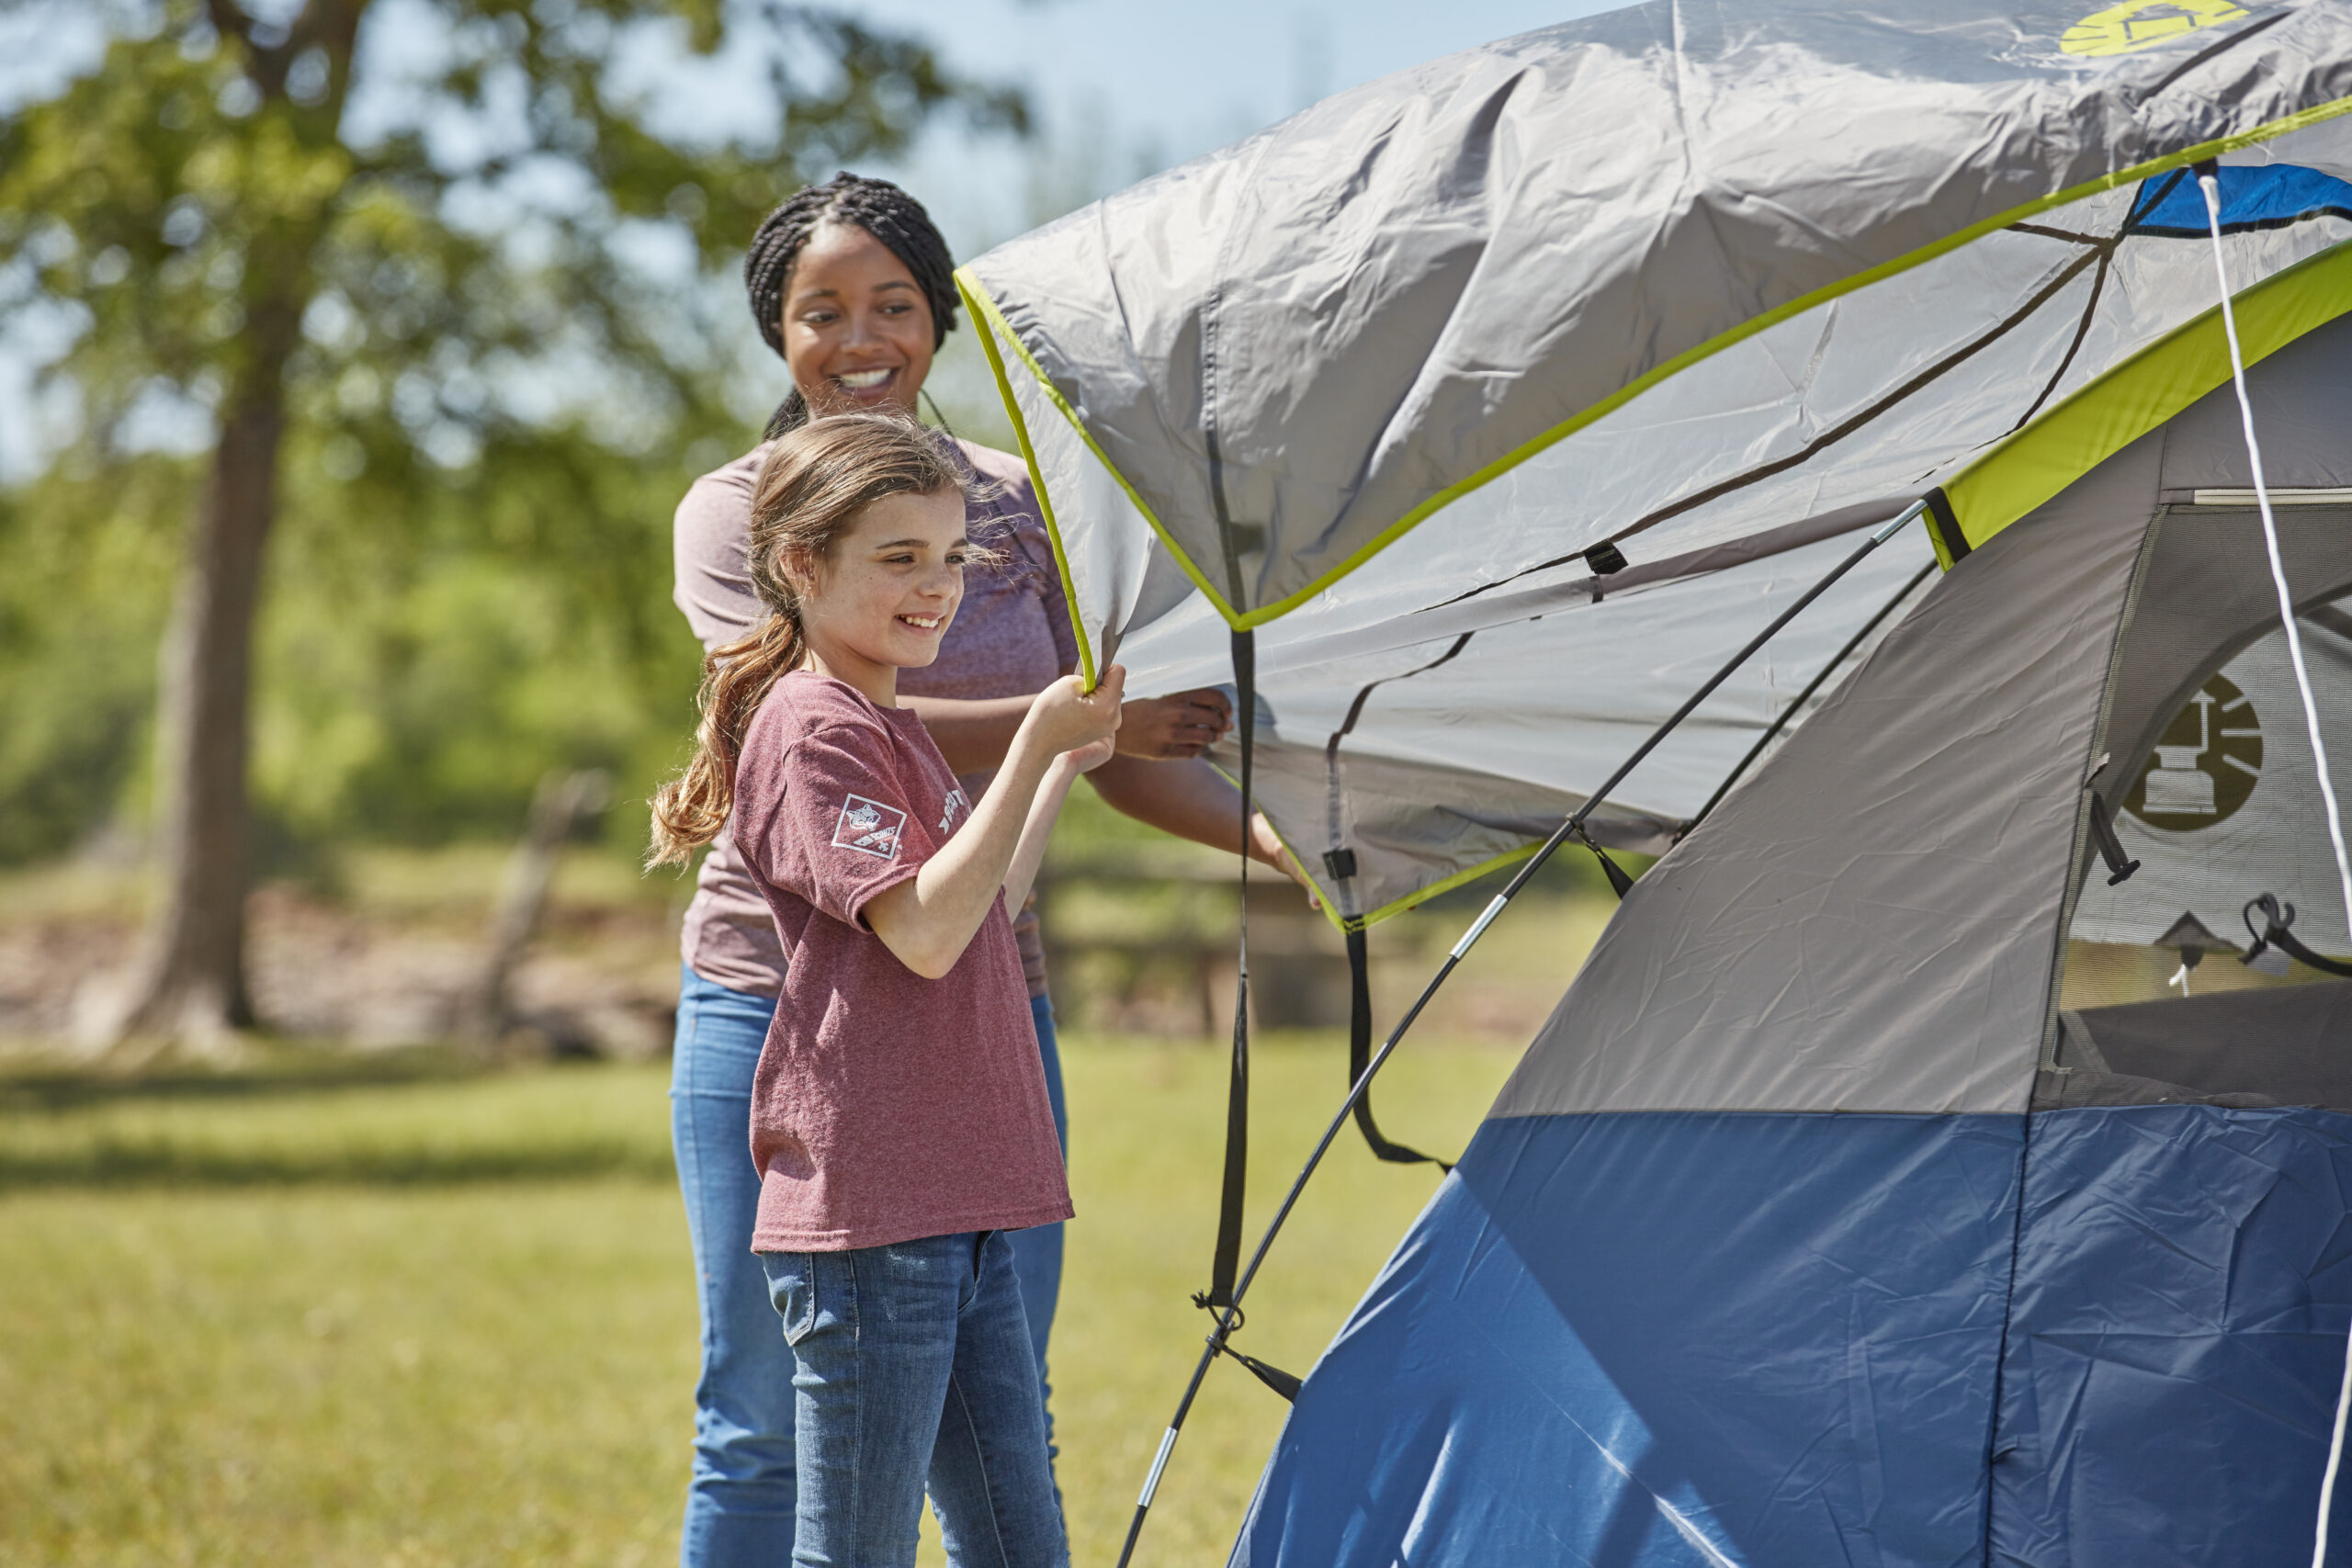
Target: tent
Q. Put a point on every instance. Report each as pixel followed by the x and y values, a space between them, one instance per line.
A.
pixel 1474 418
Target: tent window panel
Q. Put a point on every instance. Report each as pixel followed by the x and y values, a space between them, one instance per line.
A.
pixel 2212 789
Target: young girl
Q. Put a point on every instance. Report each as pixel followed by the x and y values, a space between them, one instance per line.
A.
pixel 899 1120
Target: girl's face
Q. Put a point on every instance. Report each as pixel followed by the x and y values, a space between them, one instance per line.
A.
pixel 882 597
pixel 857 330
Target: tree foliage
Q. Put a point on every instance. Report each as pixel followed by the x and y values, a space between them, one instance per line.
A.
pixel 468 249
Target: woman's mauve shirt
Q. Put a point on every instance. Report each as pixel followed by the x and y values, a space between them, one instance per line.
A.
pixel 1010 638
pixel 886 1106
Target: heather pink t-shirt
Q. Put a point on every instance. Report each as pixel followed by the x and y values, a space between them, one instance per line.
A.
pixel 886 1106
pixel 1011 636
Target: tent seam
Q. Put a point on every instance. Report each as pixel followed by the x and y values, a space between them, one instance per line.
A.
pixel 1242 621
pixel 984 314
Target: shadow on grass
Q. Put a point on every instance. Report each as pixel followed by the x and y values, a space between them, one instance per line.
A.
pixel 282 1070
pixel 126 1164
pixel 184 1128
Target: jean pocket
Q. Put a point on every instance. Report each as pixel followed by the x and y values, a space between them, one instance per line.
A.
pixel 795 1300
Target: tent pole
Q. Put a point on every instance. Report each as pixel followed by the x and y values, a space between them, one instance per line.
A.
pixel 1228 1314
pixel 1787 714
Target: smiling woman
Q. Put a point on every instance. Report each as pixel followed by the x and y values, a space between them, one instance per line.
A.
pixel 853 287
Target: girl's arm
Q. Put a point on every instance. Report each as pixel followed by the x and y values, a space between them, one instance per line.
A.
pixel 928 921
pixel 1030 853
pixel 974 734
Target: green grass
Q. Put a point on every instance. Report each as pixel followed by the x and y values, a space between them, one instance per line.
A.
pixel 401 1318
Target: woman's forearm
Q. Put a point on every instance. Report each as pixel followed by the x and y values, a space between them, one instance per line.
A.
pixel 973 735
pixel 1190 799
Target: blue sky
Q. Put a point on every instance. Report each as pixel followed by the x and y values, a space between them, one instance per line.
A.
pixel 1122 89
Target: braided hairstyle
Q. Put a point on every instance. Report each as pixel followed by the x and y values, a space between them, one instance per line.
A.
pixel 882 210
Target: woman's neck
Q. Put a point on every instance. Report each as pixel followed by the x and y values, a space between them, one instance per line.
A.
pixel 878 683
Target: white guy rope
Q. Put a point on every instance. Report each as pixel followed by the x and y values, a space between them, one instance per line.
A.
pixel 2211 187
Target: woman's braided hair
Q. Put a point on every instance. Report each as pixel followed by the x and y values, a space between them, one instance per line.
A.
pixel 882 210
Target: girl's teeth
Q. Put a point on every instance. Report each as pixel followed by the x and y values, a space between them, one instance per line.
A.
pixel 862 379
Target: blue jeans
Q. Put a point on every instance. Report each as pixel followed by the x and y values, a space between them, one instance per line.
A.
pixel 914 1366
pixel 741 1501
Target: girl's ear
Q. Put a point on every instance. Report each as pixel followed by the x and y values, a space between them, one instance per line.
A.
pixel 799 567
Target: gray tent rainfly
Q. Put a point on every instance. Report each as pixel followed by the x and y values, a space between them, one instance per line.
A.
pixel 1700 288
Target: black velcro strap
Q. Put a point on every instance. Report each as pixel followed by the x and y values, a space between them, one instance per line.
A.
pixel 1359 1055
pixel 1227 1262
pixel 2110 848
pixel 2276 918
pixel 1946 525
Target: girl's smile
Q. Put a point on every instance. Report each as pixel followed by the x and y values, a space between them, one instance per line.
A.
pixel 883 597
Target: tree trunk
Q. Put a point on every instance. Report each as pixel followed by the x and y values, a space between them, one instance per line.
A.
pixel 190 983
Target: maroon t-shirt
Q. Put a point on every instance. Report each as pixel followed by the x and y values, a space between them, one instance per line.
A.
pixel 886 1106
pixel 1011 636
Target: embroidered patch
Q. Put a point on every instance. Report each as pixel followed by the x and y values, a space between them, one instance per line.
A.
pixel 869 827
pixel 956 802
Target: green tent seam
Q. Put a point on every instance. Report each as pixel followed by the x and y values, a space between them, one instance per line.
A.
pixel 2135 396
pixel 992 322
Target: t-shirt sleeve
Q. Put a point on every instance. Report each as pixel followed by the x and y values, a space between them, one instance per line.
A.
pixel 857 832
pixel 709 537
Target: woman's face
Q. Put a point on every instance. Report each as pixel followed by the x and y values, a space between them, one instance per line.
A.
pixel 886 590
pixel 857 330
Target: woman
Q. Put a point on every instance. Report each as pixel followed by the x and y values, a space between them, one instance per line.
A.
pixel 852 285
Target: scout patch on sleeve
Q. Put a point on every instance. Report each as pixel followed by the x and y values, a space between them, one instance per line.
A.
pixel 869 827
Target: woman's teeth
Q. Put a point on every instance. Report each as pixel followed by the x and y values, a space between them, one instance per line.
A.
pixel 861 381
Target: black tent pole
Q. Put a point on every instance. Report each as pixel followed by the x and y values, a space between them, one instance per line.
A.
pixel 1228 1315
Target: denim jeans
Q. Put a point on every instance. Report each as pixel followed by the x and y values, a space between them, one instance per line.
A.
pixel 741 1502
pixel 914 1371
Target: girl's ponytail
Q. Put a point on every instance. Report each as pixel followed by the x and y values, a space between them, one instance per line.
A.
pixel 817 479
pixel 690 810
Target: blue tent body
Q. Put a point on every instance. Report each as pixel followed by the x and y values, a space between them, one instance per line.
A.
pixel 1816 1226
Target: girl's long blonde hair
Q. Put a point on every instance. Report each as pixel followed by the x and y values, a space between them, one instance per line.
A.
pixel 815 482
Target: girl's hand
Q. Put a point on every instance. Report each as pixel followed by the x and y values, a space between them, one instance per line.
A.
pixel 1063 718
pixel 1086 759
pixel 1183 725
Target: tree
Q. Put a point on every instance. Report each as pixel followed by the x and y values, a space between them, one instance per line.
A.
pixel 405 239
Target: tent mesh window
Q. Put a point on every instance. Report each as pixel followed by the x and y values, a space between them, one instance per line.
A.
pixel 2210 787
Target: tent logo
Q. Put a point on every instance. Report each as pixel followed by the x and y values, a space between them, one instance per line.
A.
pixel 2141 24
pixel 2206 762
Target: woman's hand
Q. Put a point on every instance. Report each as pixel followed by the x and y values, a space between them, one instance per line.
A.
pixel 1184 725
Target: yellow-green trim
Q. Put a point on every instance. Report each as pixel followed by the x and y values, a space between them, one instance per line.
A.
pixel 2298 120
pixel 1447 885
pixel 974 302
pixel 984 309
pixel 2142 393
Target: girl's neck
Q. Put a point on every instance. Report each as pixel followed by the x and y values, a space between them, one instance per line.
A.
pixel 877 684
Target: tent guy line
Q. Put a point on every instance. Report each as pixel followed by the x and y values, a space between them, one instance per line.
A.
pixel 1228 1309
pixel 2210 184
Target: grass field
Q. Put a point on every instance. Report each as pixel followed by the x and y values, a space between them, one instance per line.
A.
pixel 321 1315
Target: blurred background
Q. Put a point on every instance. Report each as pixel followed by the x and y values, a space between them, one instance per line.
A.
pixel 354 355
pixel 381 337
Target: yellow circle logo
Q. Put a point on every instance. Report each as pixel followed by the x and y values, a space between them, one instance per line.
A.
pixel 2138 24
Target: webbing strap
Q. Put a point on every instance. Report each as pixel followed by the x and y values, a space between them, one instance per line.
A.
pixel 1227 1262
pixel 2277 917
pixel 1359 1055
